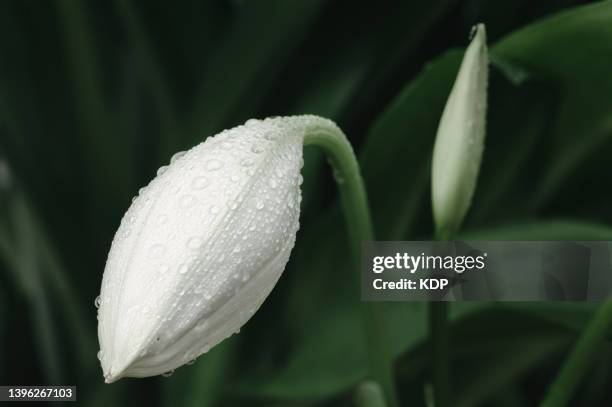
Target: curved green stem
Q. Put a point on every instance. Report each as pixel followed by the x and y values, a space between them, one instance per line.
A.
pixel 580 359
pixel 353 198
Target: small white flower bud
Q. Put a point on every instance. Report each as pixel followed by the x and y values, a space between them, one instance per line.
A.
pixel 460 139
pixel 201 247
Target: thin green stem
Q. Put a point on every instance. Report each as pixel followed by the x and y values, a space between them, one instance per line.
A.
pixel 439 337
pixel 369 394
pixel 353 198
pixel 580 359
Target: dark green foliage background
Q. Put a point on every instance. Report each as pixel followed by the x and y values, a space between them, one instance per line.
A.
pixel 94 96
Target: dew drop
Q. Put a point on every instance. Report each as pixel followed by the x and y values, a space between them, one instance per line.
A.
pixel 259 205
pixel 100 355
pixel 194 243
pixel 257 149
pixel 168 373
pixel 183 268
pixel 246 162
pixel 161 170
pixel 161 219
pixel 177 156
pixel 213 165
pixel 235 178
pixel 187 201
pixel 200 182
pixel 157 250
pixel 97 302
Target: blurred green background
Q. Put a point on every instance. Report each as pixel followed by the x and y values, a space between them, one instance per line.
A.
pixel 95 95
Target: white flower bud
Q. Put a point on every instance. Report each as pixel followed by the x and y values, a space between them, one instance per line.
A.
pixel 201 247
pixel 460 139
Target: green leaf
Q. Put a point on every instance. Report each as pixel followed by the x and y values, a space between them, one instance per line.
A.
pixel 105 149
pixel 4 331
pixel 203 383
pixel 542 230
pixel 399 145
pixel 154 78
pixel 19 253
pixel 511 344
pixel 252 53
pixel 36 269
pixel 556 50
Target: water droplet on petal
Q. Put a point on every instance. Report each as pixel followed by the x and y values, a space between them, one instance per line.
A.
pixel 157 250
pixel 187 201
pixel 177 156
pixel 194 243
pixel 259 205
pixel 247 162
pixel 200 182
pixel 168 373
pixel 183 268
pixel 213 165
pixel 161 170
pixel 97 302
pixel 257 149
pixel 161 219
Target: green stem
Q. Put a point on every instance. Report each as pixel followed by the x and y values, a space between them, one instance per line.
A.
pixel 439 339
pixel 369 394
pixel 587 348
pixel 324 134
pixel 439 334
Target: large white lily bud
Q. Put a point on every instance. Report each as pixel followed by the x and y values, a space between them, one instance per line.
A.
pixel 460 139
pixel 201 247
